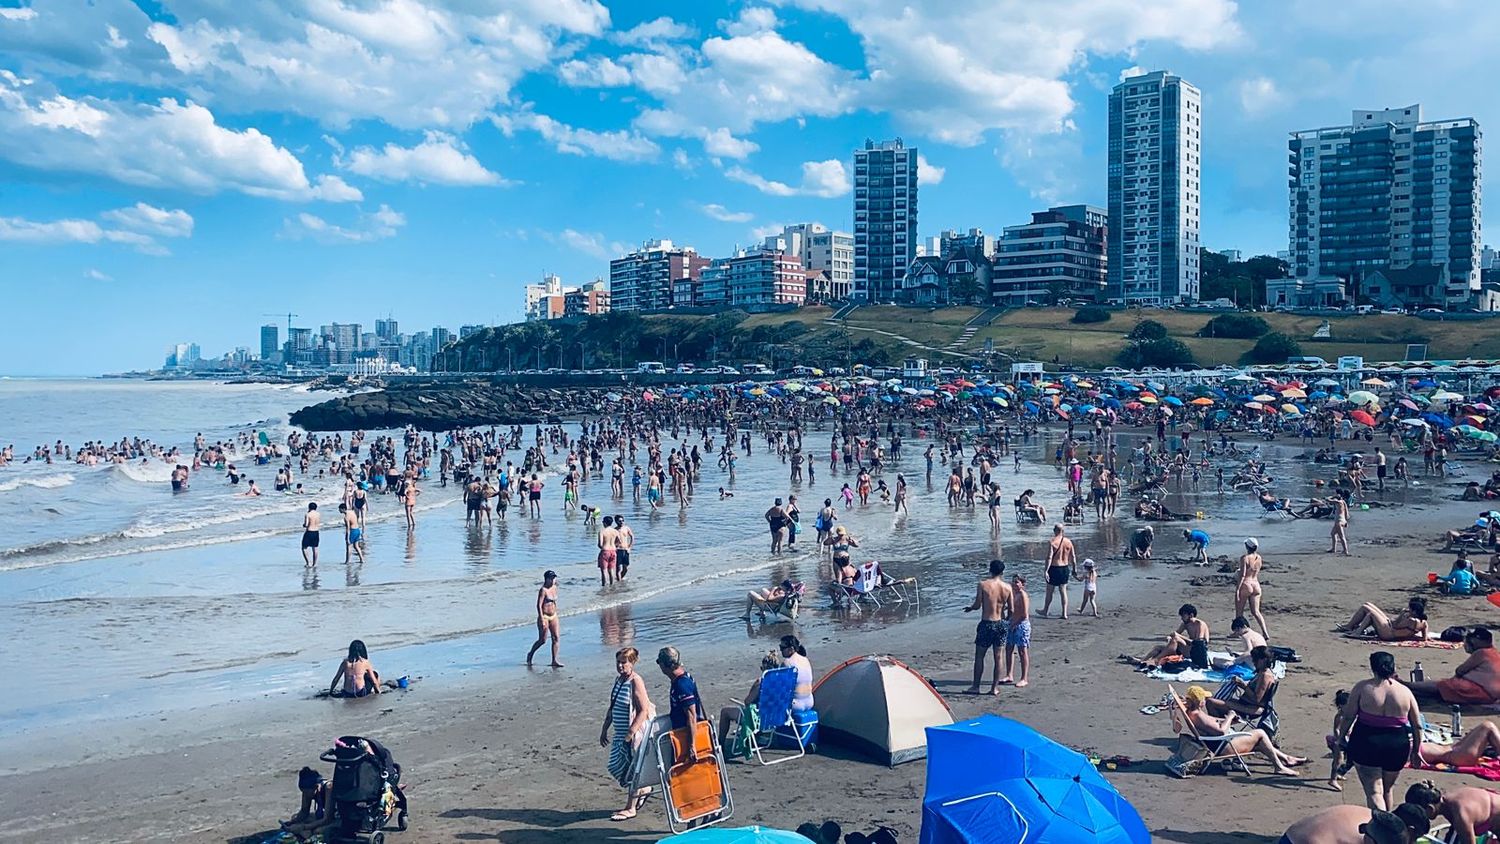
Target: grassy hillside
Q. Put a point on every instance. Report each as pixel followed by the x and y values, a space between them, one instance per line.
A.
pixel 885 334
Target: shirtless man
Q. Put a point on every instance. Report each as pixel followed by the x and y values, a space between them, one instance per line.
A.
pixel 993 597
pixel 1476 681
pixel 624 544
pixel 1189 640
pixel 311 524
pixel 1062 566
pixel 1357 825
pixel 1019 638
pixel 354 535
pixel 609 540
pixel 1248 593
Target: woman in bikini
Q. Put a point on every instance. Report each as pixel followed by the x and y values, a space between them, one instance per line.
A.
pixel 1247 593
pixel 358 675
pixel 840 543
pixel 1482 741
pixel 547 622
pixel 1411 623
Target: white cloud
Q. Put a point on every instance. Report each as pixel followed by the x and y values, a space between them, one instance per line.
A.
pixel 96 275
pixel 379 225
pixel 724 215
pixel 929 174
pixel 1132 72
pixel 167 144
pixel 152 220
pixel 138 226
pixel 22 14
pixel 412 64
pixel 762 232
pixel 615 145
pixel 597 72
pixel 591 244
pixel 819 178
pixel 752 20
pixel 682 161
pixel 720 144
pixel 653 33
pixel 1259 94
pixel 438 160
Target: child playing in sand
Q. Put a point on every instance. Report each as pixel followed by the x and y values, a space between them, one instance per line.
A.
pixel 1090 578
pixel 1337 768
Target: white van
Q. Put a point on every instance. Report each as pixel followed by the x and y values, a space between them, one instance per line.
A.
pixel 650 367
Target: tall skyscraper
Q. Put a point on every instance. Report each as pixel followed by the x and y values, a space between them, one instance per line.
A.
pixel 270 343
pixel 387 329
pixel 885 218
pixel 1155 155
pixel 1388 192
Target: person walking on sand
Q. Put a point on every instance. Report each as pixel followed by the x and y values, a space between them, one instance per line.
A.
pixel 311 524
pixel 629 713
pixel 1090 578
pixel 1062 566
pixel 686 709
pixel 547 623
pixel 1338 535
pixel 609 541
pixel 992 597
pixel 901 495
pixel 1018 640
pixel 1247 593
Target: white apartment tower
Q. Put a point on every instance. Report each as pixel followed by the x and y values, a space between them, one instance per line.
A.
pixel 1155 155
pixel 821 249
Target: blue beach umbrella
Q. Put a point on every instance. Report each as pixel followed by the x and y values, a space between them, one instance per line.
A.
pixel 1032 407
pixel 1173 400
pixel 994 779
pixel 1441 420
pixel 741 835
pixel 1317 395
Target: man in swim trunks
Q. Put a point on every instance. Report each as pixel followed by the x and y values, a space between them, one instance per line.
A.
pixel 1476 681
pixel 1062 566
pixel 623 545
pixel 311 524
pixel 993 596
pixel 1019 637
pixel 354 535
pixel 608 542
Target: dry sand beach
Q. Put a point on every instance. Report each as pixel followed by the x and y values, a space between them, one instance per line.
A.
pixel 512 756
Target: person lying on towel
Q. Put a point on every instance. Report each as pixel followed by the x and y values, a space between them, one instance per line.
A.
pixel 1476 681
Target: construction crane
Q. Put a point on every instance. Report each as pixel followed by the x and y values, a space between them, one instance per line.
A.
pixel 289 317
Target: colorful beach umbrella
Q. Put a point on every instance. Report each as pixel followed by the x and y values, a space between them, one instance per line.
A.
pixel 1202 402
pixel 1363 418
pixel 1363 397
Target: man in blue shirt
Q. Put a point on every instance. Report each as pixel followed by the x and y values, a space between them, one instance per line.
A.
pixel 1199 540
pixel 686 709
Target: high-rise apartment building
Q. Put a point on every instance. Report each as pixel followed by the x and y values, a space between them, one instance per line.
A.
pixel 270 343
pixel 821 249
pixel 589 300
pixel 545 300
pixel 387 329
pixel 645 279
pixel 885 218
pixel 1062 249
pixel 951 241
pixel 1155 155
pixel 1388 192
pixel 761 277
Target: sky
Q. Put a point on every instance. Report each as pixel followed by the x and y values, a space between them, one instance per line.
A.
pixel 185 170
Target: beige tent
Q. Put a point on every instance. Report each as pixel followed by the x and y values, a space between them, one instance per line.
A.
pixel 879 706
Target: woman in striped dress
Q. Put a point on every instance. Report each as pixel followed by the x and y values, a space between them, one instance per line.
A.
pixel 629 712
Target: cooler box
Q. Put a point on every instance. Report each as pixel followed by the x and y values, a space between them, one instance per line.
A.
pixel 806 721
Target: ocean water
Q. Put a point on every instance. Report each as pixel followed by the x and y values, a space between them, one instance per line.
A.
pixel 129 599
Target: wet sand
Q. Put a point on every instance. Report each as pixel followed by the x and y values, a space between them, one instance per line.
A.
pixel 505 754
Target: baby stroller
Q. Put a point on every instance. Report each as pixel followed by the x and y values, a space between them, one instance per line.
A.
pixel 366 795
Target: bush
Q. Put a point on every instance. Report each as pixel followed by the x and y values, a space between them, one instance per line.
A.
pixel 1238 326
pixel 1274 348
pixel 1147 329
pixel 1165 352
pixel 1092 313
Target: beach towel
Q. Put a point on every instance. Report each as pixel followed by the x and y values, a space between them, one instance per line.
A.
pixel 1487 769
pixel 1210 675
pixel 1432 641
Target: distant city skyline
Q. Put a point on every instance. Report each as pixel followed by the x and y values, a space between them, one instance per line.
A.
pixel 167 182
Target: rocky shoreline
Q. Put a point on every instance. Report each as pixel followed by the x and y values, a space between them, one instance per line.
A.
pixel 430 407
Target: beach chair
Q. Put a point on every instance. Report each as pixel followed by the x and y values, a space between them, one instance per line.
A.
pixel 770 716
pixel 696 794
pixel 870 586
pixel 1195 753
pixel 1266 718
pixel 1454 469
pixel 786 607
pixel 1277 508
pixel 1025 516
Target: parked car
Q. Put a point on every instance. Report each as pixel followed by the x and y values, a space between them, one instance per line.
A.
pixel 1366 309
pixel 1393 311
pixel 1431 311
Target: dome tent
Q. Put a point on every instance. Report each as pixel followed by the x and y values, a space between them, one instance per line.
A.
pixel 879 706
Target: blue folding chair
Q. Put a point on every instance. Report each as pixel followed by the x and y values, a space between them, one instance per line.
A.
pixel 772 712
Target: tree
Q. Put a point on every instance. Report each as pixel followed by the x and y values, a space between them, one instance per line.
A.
pixel 1166 352
pixel 1091 314
pixel 1240 326
pixel 1147 329
pixel 1274 348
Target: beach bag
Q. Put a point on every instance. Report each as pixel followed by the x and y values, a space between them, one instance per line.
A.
pixel 1281 653
pixel 1454 634
pixel 1198 653
pixel 1189 759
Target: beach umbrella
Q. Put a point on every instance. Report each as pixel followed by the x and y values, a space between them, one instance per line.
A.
pixel 1032 407
pixel 1263 397
pixel 1147 398
pixel 1481 407
pixel 1374 382
pixel 1408 404
pixel 740 835
pixel 1466 430
pixel 1134 405
pixel 833 400
pixel 793 386
pixel 1155 387
pixel 1254 405
pixel 1473 419
pixel 1291 410
pixel 1363 397
pixel 1242 377
pixel 1173 400
pixel 992 779
pixel 1000 401
pixel 1325 382
pixel 1202 402
pixel 909 391
pixel 1363 418
pixel 1425 384
pixel 649 396
pixel 1484 436
pixel 1293 393
pixel 1441 420
pixel 1445 395
pixel 612 396
pixel 1315 395
pixel 1414 423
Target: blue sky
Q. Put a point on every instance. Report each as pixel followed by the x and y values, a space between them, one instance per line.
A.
pixel 172 171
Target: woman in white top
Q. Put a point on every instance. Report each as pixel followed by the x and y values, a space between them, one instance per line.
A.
pixel 796 657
